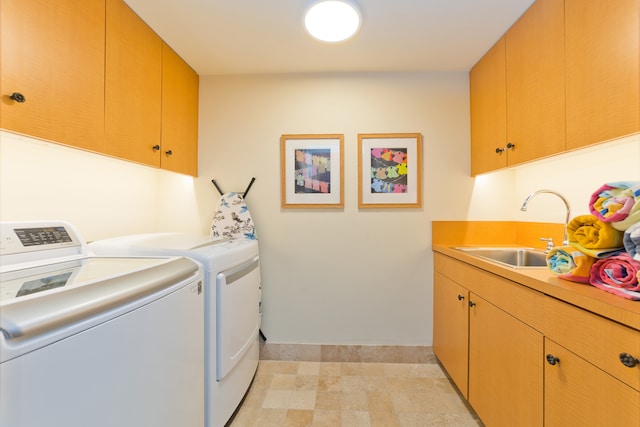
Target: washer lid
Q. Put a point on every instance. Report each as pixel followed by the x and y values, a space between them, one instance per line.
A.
pixel 213 254
pixel 153 243
pixel 39 299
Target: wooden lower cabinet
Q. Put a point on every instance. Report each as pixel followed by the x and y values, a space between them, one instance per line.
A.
pixel 494 359
pixel 505 367
pixel 577 393
pixel 451 332
pixel 522 358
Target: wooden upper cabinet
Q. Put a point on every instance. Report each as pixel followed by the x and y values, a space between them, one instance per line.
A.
pixel 133 87
pixel 151 108
pixel 572 79
pixel 94 75
pixel 603 70
pixel 52 52
pixel 180 85
pixel 488 98
pixel 536 82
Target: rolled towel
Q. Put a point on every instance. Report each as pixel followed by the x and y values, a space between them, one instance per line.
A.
pixel 618 274
pixel 570 264
pixel 594 237
pixel 633 218
pixel 631 240
pixel 617 203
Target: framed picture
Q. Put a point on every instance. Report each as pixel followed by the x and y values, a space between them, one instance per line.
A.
pixel 390 170
pixel 312 169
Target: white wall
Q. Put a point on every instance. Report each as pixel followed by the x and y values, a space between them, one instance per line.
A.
pixel 330 276
pixel 100 195
pixel 576 176
pixel 340 276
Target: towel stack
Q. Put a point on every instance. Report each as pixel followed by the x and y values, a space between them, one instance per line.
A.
pixel 604 247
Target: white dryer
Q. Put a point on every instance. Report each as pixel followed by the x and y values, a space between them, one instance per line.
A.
pixel 93 341
pixel 232 308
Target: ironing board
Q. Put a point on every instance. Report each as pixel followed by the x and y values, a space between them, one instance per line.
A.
pixel 232 219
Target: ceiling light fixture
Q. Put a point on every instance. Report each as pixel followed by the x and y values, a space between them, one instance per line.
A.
pixel 332 20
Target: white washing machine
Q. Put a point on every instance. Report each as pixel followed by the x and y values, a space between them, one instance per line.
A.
pixel 92 341
pixel 232 308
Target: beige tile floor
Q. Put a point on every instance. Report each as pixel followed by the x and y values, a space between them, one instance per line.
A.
pixel 286 393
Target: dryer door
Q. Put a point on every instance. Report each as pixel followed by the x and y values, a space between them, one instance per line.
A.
pixel 237 313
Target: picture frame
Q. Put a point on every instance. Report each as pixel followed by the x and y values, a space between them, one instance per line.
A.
pixel 389 170
pixel 312 171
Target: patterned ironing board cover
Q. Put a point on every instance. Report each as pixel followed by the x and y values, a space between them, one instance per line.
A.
pixel 232 219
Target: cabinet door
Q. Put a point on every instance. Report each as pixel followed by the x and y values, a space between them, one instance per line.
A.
pixel 603 70
pixel 133 87
pixel 536 82
pixel 505 367
pixel 487 91
pixel 52 52
pixel 614 339
pixel 450 328
pixel 579 394
pixel 179 114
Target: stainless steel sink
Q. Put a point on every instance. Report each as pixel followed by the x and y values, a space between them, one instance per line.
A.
pixel 511 257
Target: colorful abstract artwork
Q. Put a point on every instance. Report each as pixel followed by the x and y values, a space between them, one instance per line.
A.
pixel 389 170
pixel 312 171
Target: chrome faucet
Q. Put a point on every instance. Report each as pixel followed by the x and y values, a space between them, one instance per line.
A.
pixel 566 204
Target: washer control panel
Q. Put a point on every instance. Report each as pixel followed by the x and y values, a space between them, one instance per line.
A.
pixel 30 237
pixel 42 235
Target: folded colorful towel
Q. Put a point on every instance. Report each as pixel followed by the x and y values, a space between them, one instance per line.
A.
pixel 617 203
pixel 570 264
pixel 631 240
pixel 633 218
pixel 619 274
pixel 592 233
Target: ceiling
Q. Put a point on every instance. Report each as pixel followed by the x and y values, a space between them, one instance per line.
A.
pixel 267 36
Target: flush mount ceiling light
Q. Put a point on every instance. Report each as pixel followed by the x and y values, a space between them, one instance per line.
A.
pixel 332 20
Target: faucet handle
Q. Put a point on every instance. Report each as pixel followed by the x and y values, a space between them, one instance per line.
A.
pixel 549 241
